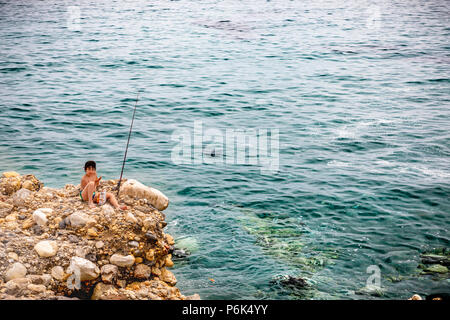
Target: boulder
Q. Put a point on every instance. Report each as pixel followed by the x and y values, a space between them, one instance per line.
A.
pixel 135 189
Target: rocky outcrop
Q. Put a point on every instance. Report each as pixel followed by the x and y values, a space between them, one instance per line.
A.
pixel 53 246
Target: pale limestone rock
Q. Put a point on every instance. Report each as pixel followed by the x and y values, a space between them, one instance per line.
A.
pixel 83 268
pixel 134 188
pixel 122 261
pixel 80 219
pixel 17 270
pixel 130 217
pixel 168 277
pixel 40 217
pixel 109 273
pixel 142 271
pixel 10 174
pixel 21 196
pixel 107 209
pixel 46 248
pixel 58 273
pixel 36 287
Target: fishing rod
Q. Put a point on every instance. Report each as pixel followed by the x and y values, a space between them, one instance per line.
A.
pixel 126 149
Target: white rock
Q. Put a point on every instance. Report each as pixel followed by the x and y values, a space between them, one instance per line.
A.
pixel 109 273
pixel 36 287
pixel 40 217
pixel 122 261
pixel 134 188
pixel 58 273
pixel 16 271
pixel 46 248
pixel 21 196
pixel 130 217
pixel 13 256
pixel 79 219
pixel 107 209
pixel 99 244
pixel 84 268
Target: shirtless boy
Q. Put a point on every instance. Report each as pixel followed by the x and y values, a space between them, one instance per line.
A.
pixel 89 183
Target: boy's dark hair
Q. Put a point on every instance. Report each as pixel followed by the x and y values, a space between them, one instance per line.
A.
pixel 90 164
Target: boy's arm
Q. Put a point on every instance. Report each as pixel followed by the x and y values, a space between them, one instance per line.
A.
pixel 97 181
pixel 83 182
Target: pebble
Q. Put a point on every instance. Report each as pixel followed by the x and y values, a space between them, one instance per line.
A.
pixel 91 232
pixel 87 269
pixel 130 217
pixel 16 271
pixel 122 261
pixel 133 244
pixel 72 238
pixel 13 256
pixel 62 224
pixel 142 271
pixel 46 248
pixel 40 217
pixel 109 273
pixel 169 239
pixel 37 230
pixel 20 197
pixel 58 273
pixel 151 238
pixel 77 219
pixel 36 287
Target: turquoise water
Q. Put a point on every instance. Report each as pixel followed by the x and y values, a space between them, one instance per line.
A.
pixel 359 92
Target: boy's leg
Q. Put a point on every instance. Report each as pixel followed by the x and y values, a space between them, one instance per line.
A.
pixel 113 201
pixel 87 193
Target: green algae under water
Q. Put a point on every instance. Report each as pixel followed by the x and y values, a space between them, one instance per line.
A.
pixel 361 105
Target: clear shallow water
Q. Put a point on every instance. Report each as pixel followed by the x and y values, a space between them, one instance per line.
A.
pixel 362 108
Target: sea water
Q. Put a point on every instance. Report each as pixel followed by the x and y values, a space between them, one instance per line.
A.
pixel 357 91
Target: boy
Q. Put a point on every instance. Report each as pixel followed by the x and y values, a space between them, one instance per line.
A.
pixel 89 183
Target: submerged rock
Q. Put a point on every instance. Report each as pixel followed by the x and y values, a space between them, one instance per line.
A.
pixel 371 291
pixel 436 268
